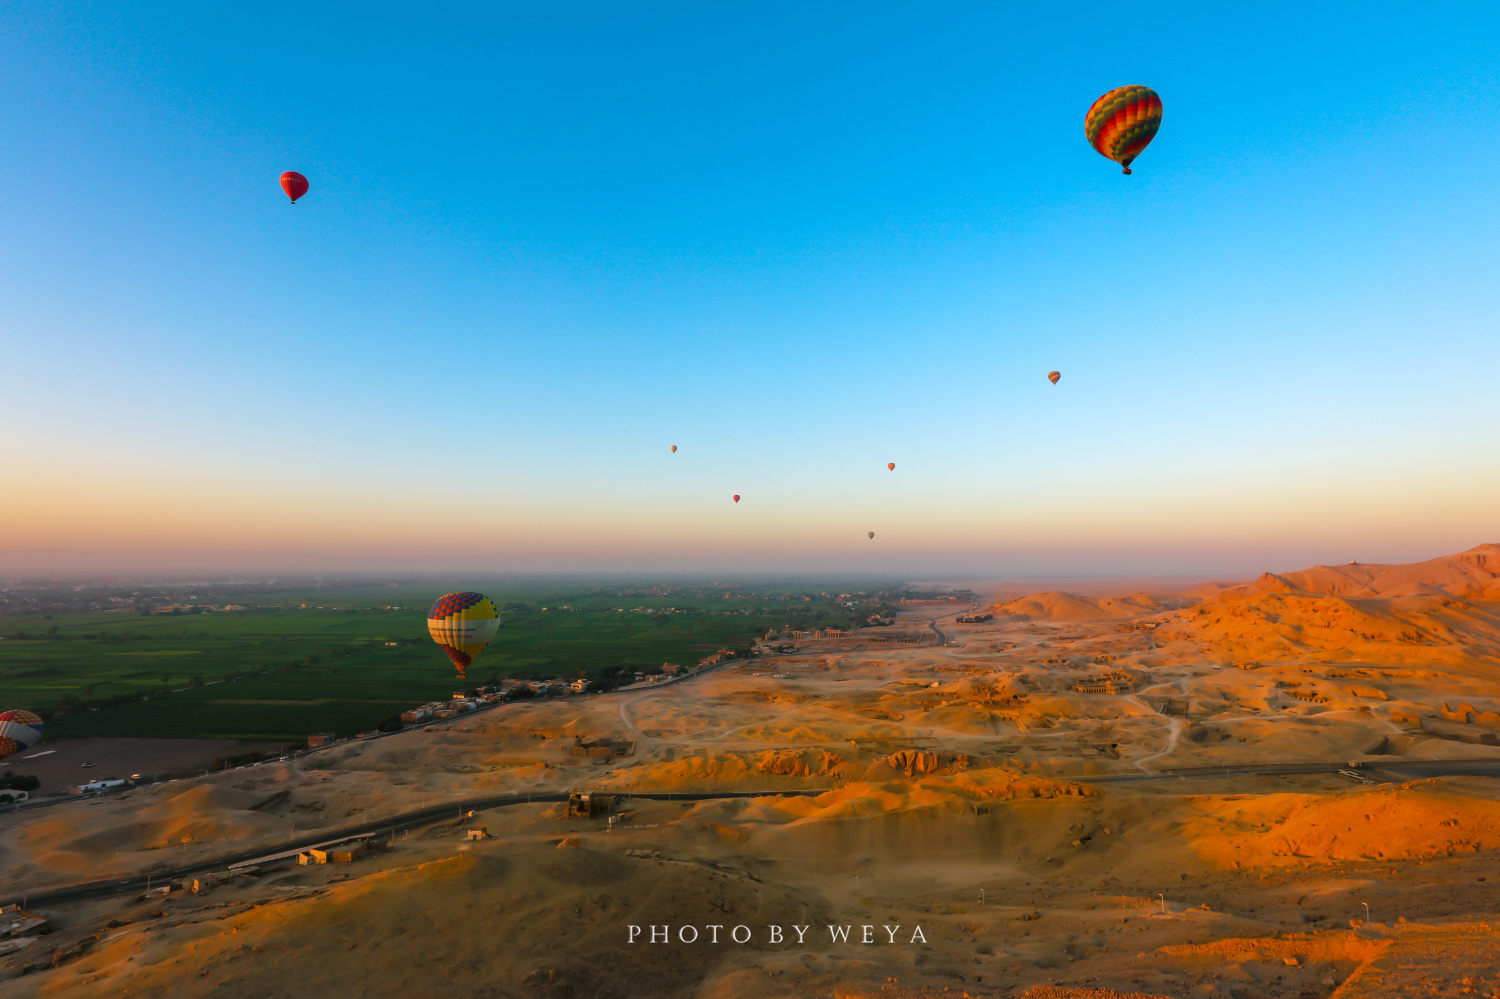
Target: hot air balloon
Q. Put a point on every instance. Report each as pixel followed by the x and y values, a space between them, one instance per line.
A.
pixel 1053 376
pixel 463 624
pixel 294 184
pixel 736 497
pixel 891 465
pixel 872 535
pixel 18 730
pixel 674 448
pixel 1122 123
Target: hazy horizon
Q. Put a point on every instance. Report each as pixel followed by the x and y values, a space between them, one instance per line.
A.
pixel 1044 571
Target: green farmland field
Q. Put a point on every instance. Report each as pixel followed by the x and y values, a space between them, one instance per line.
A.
pixel 280 672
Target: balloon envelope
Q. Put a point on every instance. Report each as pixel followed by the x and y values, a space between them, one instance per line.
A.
pixel 891 465
pixel 463 624
pixel 19 730
pixel 872 535
pixel 1053 376
pixel 294 184
pixel 1122 123
pixel 736 497
pixel 674 448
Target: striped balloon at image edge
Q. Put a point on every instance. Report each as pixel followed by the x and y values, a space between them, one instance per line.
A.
pixel 462 624
pixel 19 730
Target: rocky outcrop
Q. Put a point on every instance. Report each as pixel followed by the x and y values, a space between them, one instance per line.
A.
pixel 916 761
pixel 808 763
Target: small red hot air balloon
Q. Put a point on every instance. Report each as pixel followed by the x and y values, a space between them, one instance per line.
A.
pixel 736 497
pixel 674 448
pixel 872 535
pixel 294 184
pixel 1053 376
pixel 891 465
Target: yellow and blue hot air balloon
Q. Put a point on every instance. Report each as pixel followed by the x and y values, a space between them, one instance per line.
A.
pixel 463 624
pixel 19 730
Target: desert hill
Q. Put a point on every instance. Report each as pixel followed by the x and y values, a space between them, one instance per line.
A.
pixel 1468 575
pixel 1438 610
pixel 1054 605
pixel 1473 574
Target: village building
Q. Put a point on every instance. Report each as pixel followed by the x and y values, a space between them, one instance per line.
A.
pixel 896 638
pixel 1109 683
pixel 343 853
pixel 586 805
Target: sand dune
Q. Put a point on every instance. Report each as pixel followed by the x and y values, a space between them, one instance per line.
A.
pixel 1430 818
pixel 1278 623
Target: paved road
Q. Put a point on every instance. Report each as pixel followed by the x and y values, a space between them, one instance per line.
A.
pixel 425 816
pixel 1380 772
pixel 932 623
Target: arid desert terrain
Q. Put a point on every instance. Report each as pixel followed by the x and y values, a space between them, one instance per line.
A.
pixel 1287 787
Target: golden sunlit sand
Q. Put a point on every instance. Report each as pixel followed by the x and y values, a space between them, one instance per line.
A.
pixel 962 808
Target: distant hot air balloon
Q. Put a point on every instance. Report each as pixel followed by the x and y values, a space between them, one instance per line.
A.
pixel 891 465
pixel 872 535
pixel 1123 122
pixel 19 730
pixel 463 624
pixel 294 184
pixel 674 448
pixel 736 497
pixel 1053 376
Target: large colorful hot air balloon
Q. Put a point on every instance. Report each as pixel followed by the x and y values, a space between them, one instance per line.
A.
pixel 1123 122
pixel 294 184
pixel 674 448
pixel 872 535
pixel 18 730
pixel 736 497
pixel 891 465
pixel 463 624
pixel 1053 376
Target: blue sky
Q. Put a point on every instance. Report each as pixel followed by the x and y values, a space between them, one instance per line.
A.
pixel 543 243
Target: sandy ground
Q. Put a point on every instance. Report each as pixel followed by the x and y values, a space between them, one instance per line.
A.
pixel 950 803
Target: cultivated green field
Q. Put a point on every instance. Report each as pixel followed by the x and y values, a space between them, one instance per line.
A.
pixel 299 661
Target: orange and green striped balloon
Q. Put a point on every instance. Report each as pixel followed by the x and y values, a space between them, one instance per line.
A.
pixel 1123 122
